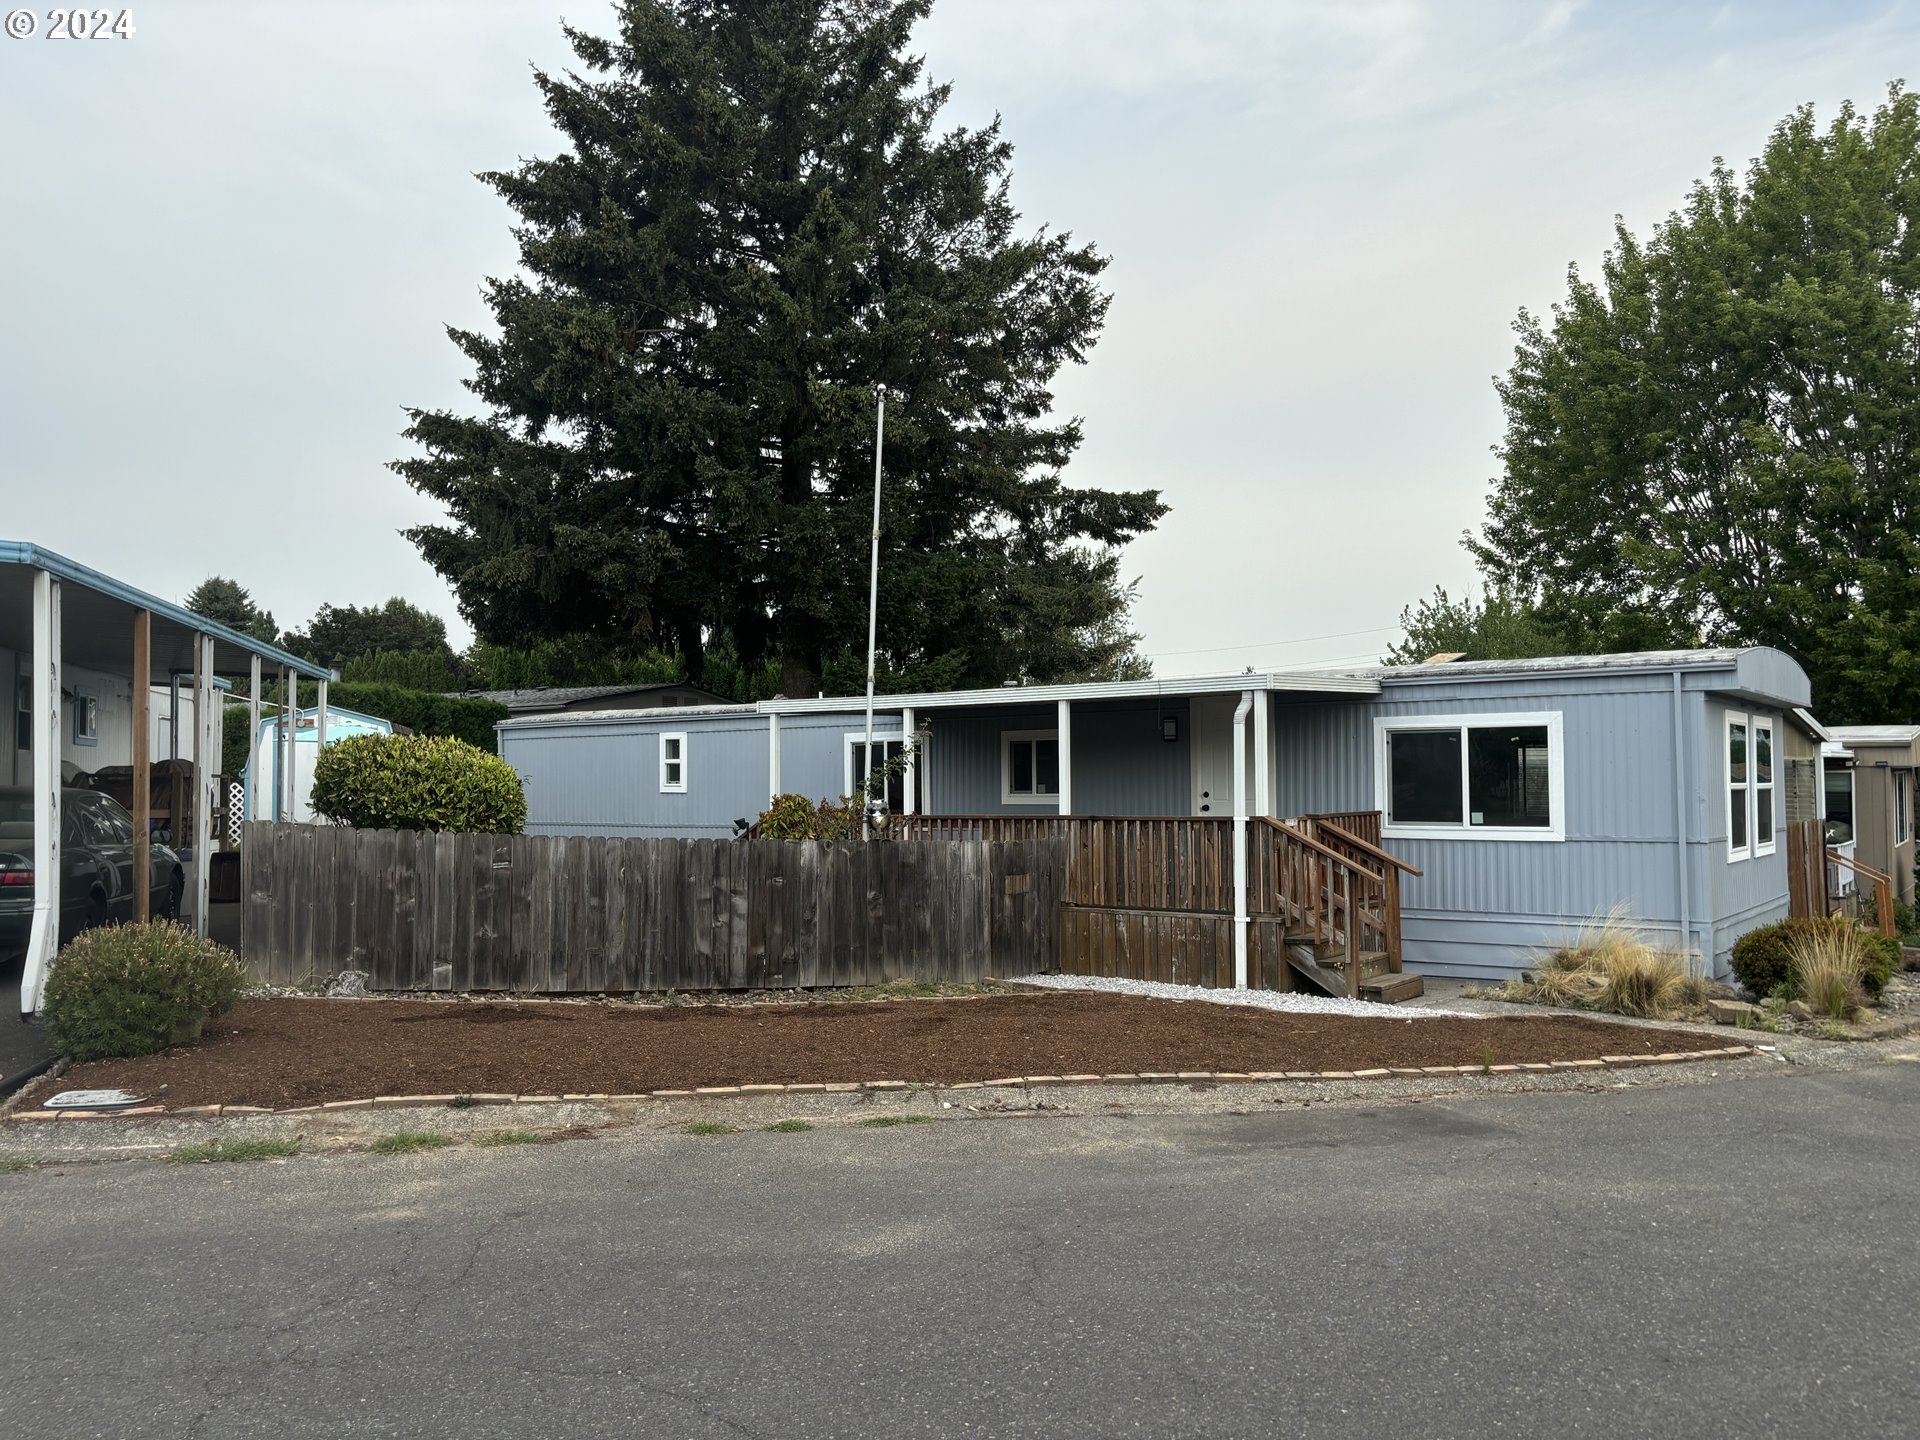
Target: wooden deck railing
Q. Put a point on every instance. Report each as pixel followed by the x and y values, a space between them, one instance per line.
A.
pixel 1882 889
pixel 1362 825
pixel 1323 878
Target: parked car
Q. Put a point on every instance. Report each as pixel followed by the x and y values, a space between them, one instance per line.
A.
pixel 96 854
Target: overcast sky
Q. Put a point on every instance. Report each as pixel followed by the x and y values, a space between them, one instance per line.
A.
pixel 231 242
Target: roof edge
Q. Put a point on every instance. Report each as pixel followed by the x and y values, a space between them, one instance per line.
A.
pixel 24 552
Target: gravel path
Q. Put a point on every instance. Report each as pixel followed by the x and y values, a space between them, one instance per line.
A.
pixel 1291 1001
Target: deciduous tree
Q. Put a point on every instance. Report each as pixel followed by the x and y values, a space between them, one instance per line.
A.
pixel 1721 436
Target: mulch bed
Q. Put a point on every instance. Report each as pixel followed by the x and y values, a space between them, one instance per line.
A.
pixel 283 1053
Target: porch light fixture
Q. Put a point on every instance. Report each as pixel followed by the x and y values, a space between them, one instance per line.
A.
pixel 1169 727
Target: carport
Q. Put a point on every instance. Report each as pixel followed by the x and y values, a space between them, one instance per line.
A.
pixel 59 619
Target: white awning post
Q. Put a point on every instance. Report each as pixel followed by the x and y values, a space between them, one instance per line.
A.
pixel 773 758
pixel 907 806
pixel 289 734
pixel 1262 760
pixel 206 754
pixel 43 934
pixel 1240 839
pixel 253 737
pixel 1065 746
pixel 320 719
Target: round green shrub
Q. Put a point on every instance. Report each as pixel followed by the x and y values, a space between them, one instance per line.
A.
pixel 121 990
pixel 1763 958
pixel 418 782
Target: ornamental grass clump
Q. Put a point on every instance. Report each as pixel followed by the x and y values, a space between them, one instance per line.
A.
pixel 1829 963
pixel 418 782
pixel 125 990
pixel 1763 958
pixel 1611 966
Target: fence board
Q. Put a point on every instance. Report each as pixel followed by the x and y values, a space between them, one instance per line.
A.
pixel 548 913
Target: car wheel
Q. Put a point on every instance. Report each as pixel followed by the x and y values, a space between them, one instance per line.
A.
pixel 176 890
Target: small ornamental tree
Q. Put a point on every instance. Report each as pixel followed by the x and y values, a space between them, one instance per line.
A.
pixel 417 782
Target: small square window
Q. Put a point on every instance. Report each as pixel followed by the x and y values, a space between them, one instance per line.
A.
pixel 673 764
pixel 86 718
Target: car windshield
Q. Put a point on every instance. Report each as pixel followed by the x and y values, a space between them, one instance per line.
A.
pixel 16 809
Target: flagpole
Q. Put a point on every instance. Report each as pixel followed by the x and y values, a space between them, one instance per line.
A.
pixel 873 605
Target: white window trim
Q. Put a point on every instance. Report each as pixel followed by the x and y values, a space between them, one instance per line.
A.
pixel 1554 833
pixel 1735 854
pixel 1007 797
pixel 855 738
pixel 86 706
pixel 677 787
pixel 1763 844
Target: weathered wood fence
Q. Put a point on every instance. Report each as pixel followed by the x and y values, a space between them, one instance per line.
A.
pixel 1151 897
pixel 594 914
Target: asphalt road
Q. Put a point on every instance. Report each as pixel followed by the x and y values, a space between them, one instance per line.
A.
pixel 1731 1259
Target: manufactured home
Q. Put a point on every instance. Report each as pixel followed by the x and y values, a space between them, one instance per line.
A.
pixel 1531 796
pixel 1871 791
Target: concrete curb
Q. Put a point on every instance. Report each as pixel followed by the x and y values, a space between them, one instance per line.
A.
pixel 715 1092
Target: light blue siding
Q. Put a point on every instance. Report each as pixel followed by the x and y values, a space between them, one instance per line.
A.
pixel 602 777
pixel 1121 766
pixel 1483 908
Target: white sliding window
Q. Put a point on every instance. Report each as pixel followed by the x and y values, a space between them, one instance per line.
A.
pixel 1488 777
pixel 1029 767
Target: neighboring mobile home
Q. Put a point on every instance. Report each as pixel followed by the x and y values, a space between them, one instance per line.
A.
pixel 84 661
pixel 1876 791
pixel 1534 796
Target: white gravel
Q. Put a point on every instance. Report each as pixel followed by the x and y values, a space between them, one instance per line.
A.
pixel 1292 1002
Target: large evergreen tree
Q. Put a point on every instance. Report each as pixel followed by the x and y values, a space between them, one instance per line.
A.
pixel 1722 437
pixel 757 224
pixel 229 603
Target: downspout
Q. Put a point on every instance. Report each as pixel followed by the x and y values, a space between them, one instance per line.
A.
pixel 1680 822
pixel 1240 839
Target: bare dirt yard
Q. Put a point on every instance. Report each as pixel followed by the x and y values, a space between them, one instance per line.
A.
pixel 289 1052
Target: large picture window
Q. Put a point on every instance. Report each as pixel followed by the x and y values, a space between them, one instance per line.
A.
pixel 1030 767
pixel 1486 776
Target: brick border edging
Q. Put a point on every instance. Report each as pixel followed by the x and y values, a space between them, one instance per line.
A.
pixel 1182 1077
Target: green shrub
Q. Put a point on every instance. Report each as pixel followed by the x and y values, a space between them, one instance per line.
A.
pixel 794 817
pixel 1763 958
pixel 417 782
pixel 125 990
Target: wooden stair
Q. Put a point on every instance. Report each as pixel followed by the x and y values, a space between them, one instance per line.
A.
pixel 1324 966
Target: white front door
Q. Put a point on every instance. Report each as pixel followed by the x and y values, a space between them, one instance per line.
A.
pixel 1211 720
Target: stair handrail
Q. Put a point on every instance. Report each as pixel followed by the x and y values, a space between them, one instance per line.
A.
pixel 1882 890
pixel 1367 847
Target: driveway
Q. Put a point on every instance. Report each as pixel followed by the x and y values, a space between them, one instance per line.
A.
pixel 1733 1258
pixel 24 1049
